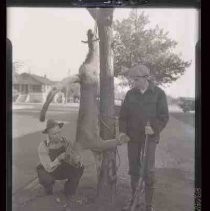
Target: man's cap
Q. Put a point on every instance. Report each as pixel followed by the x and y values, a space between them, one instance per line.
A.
pixel 139 70
pixel 52 123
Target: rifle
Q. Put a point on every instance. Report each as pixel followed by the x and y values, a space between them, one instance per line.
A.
pixel 141 183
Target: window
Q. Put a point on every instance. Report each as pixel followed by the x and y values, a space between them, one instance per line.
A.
pixel 37 88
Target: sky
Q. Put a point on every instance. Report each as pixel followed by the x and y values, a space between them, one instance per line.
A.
pixel 48 40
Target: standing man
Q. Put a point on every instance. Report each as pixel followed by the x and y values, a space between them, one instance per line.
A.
pixel 144 103
pixel 58 161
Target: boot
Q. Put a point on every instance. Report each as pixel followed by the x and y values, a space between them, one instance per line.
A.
pixel 48 190
pixel 149 208
pixel 128 204
pixel 148 198
pixel 134 182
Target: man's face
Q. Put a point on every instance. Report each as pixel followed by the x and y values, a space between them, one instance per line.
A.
pixel 139 82
pixel 55 133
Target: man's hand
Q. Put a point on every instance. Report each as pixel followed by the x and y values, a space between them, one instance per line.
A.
pixel 123 138
pixel 62 156
pixel 76 158
pixel 149 130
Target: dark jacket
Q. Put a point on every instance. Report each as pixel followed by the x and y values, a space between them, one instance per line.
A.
pixel 137 109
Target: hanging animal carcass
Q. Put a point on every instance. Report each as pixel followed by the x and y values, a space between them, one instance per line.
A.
pixel 87 135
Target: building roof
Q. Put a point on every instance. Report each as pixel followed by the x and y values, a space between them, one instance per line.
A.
pixel 32 79
pixel 42 80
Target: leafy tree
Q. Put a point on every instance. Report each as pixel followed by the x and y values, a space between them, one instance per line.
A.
pixel 134 42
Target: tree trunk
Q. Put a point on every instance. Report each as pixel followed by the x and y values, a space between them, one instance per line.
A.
pixel 107 178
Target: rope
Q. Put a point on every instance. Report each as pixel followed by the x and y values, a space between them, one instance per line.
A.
pixel 104 123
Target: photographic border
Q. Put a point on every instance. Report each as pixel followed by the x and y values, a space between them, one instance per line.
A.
pixel 105 4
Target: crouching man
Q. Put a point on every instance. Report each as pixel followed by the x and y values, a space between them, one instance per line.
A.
pixel 58 161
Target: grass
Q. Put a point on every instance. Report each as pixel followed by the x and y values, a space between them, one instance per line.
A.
pixel 188 118
pixel 173 190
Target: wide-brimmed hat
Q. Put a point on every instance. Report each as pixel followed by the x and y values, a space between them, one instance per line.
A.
pixel 139 70
pixel 52 123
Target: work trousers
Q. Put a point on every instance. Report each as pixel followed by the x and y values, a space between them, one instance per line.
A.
pixel 134 158
pixel 62 172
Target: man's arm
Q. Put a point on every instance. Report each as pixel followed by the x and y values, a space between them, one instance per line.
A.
pixel 123 116
pixel 68 143
pixel 72 156
pixel 162 113
pixel 45 159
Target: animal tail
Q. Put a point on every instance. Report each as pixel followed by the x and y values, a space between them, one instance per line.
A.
pixel 49 99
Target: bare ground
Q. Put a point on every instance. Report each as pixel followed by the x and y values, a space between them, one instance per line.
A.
pixel 174 169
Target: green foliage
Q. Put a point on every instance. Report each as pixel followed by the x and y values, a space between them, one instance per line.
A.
pixel 187 104
pixel 134 42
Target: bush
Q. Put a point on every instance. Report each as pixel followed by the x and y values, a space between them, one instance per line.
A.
pixel 187 104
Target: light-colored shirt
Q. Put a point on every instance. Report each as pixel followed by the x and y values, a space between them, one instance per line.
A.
pixel 43 152
pixel 142 91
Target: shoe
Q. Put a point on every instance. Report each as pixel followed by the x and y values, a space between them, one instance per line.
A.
pixel 49 191
pixel 77 199
pixel 128 205
pixel 150 208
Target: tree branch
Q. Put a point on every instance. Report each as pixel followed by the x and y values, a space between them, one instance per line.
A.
pixel 93 12
pixel 108 12
pixel 100 15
